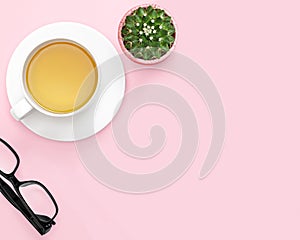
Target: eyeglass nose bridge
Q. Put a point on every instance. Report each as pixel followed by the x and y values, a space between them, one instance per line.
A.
pixel 13 180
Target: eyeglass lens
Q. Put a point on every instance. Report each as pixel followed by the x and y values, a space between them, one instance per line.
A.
pixel 8 161
pixel 38 199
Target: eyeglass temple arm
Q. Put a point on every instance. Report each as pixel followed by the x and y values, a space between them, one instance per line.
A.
pixel 9 194
pixel 15 200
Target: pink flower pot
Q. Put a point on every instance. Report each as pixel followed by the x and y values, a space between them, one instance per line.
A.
pixel 124 49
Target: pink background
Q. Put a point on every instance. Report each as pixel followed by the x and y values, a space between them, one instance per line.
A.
pixel 251 51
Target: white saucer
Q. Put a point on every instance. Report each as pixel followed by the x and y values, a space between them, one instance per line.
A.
pixel 106 100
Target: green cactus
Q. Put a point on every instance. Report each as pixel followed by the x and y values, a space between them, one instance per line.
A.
pixel 148 33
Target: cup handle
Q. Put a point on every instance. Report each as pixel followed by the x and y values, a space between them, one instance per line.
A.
pixel 21 109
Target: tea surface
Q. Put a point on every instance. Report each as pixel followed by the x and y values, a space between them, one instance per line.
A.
pixel 61 77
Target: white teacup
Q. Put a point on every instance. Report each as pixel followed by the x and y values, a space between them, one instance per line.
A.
pixel 56 76
pixel 60 75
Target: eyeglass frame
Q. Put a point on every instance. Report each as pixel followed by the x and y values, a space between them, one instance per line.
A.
pixel 41 223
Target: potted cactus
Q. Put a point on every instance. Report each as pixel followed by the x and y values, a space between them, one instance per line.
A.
pixel 147 34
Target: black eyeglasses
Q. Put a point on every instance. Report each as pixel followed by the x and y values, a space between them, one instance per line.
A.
pixel 31 198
